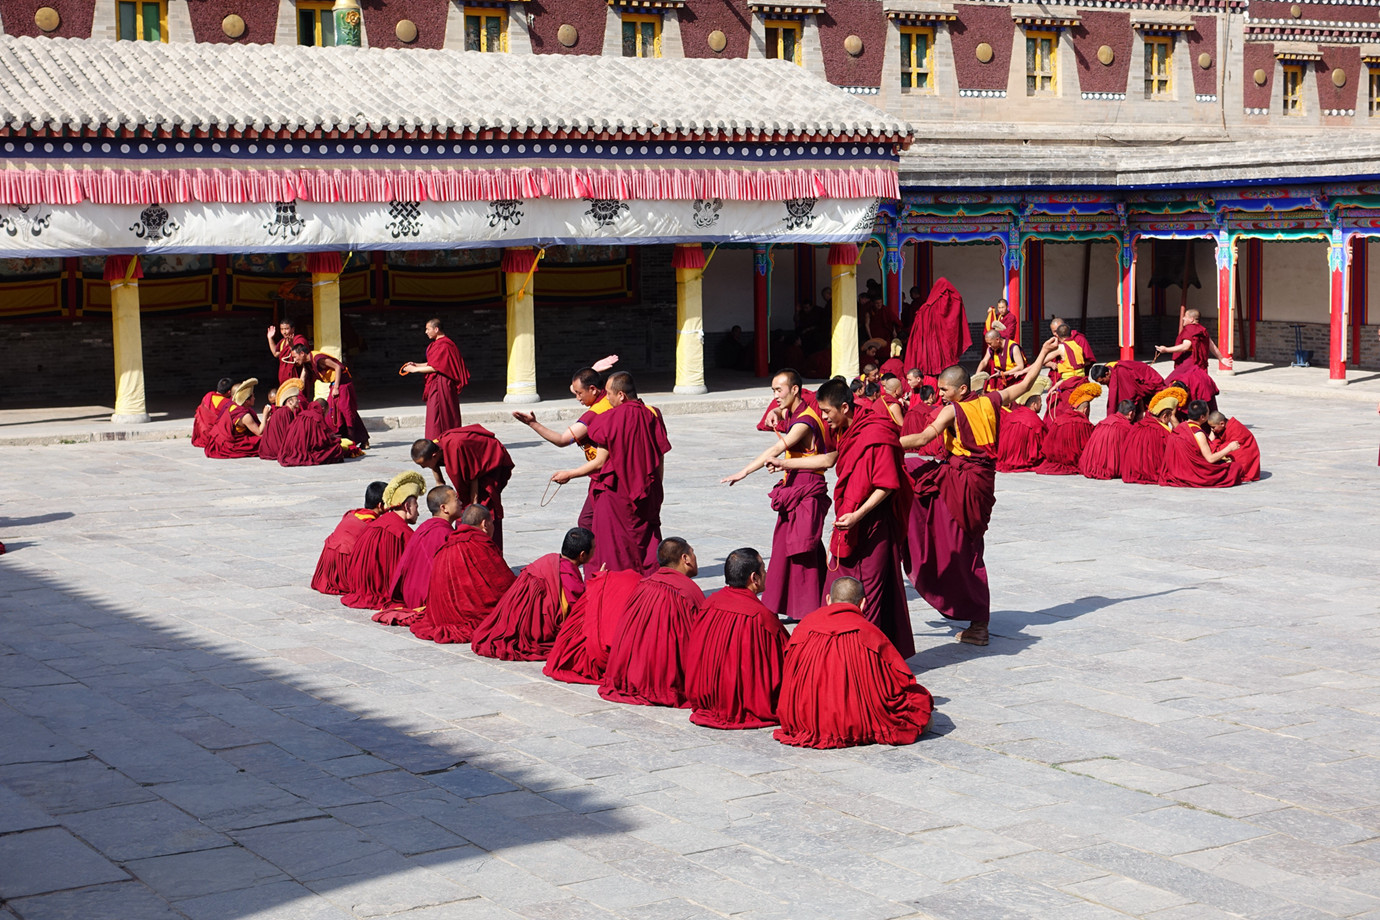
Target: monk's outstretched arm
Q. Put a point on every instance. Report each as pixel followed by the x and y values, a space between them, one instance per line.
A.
pixel 1212 347
pixel 784 442
pixel 601 456
pixel 570 436
pixel 854 518
pixel 1019 388
pixel 412 367
pixel 1175 349
pixel 943 420
pixel 817 462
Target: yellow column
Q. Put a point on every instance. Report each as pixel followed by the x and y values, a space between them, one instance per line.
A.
pixel 325 313
pixel 129 345
pixel 843 283
pixel 519 273
pixel 689 262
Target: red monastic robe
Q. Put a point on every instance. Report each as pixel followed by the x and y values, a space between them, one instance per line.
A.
pixel 581 652
pixel 1143 451
pixel 468 577
pixel 1184 463
pixel 647 659
pixel 628 490
pixel 1000 361
pixel 598 408
pixel 919 414
pixel 442 390
pixel 844 684
pixel 474 454
pixel 1022 440
pixel 333 565
pixel 228 439
pixel 796 570
pixel 733 662
pixel 287 369
pixel 276 424
pixel 939 334
pixel 310 440
pixel 370 576
pixel 1102 456
pixel 1191 367
pixel 1131 380
pixel 213 406
pixel 524 624
pixel 1064 444
pixel 412 576
pixel 1247 456
pixel 342 409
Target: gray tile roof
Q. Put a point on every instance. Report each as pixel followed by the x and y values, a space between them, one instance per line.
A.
pixel 80 84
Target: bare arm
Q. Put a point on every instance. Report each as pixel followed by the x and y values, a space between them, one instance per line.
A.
pixel 601 455
pixel 986 359
pixel 817 462
pixel 785 442
pixel 1018 389
pixel 272 346
pixel 412 367
pixel 576 432
pixel 943 420
pixel 251 423
pixel 894 410
pixel 1208 453
pixel 854 518
pixel 1176 349
pixel 1212 347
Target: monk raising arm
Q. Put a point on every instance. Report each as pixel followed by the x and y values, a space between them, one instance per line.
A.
pixel 577 431
pixel 784 442
pixel 945 417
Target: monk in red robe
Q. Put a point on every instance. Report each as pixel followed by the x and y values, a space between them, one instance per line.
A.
pixel 278 419
pixel 1079 339
pixel 468 577
pixel 954 498
pixel 1125 380
pixel 795 580
pixel 342 407
pixel 369 579
pixel 1188 460
pixel 647 659
pixel 282 338
pixel 1068 369
pixel 213 405
pixel 311 440
pixel 895 365
pixel 587 386
pixel 1001 319
pixel 733 658
pixel 1065 441
pixel 631 444
pixel 236 433
pixel 581 652
pixel 525 623
pixel 1190 352
pixel 1023 432
pixel 1247 455
pixel 922 408
pixel 872 501
pixel 890 399
pixel 412 575
pixel 1143 454
pixel 1002 361
pixel 940 332
pixel 1102 456
pixel 478 464
pixel 844 684
pixel 446 377
pixel 334 562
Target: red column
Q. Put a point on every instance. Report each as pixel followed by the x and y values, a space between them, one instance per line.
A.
pixel 1013 284
pixel 1226 287
pixel 378 269
pixel 1336 264
pixel 221 275
pixel 1357 295
pixel 1128 299
pixel 761 313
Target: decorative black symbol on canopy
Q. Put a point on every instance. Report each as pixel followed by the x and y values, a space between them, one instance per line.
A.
pixel 605 210
pixel 800 213
pixel 155 223
pixel 407 218
pixel 285 221
pixel 505 211
pixel 707 211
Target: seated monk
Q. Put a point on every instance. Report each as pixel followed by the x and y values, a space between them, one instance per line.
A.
pixel 581 652
pixel 334 562
pixel 236 433
pixel 468 577
pixel 733 656
pixel 924 406
pixel 278 419
pixel 844 683
pixel 524 624
pixel 646 662
pixel 1247 455
pixel 1066 438
pixel 1126 380
pixel 1188 460
pixel 1143 451
pixel 1021 446
pixel 890 398
pixel 311 440
pixel 412 576
pixel 1102 457
pixel 213 405
pixel 369 580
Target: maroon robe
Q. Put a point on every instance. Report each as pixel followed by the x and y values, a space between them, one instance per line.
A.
pixel 1064 444
pixel 1191 367
pixel 333 565
pixel 524 624
pixel 213 406
pixel 628 489
pixel 1102 456
pixel 442 390
pixel 228 439
pixel 1247 456
pixel 1021 448
pixel 581 652
pixel 276 424
pixel 795 573
pixel 939 334
pixel 1088 358
pixel 310 440
pixel 647 659
pixel 919 414
pixel 733 662
pixel 597 408
pixel 1142 452
pixel 844 684
pixel 412 576
pixel 474 454
pixel 894 366
pixel 287 370
pixel 342 408
pixel 1132 380
pixel 1184 464
pixel 369 578
pixel 468 577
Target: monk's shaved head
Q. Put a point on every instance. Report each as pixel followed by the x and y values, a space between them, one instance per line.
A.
pixel 792 376
pixel 670 551
pixel 475 515
pixel 1126 407
pixel 955 376
pixel 438 497
pixel 835 393
pixel 1197 410
pixel 578 542
pixel 424 449
pixel 373 494
pixel 993 337
pixel 1064 331
pixel 301 350
pixel 1216 418
pixel 224 385
pixel 846 590
pixel 622 382
pixel 1099 373
pixel 588 378
pixel 1191 316
pixel 741 565
pixel 434 323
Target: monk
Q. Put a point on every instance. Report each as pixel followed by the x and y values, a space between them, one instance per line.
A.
pixel 1002 319
pixel 278 419
pixel 843 684
pixel 890 399
pixel 310 439
pixel 446 377
pixel 647 659
pixel 872 502
pixel 213 405
pixel 581 651
pixel 524 624
pixel 1023 435
pixel 342 406
pixel 1188 459
pixel 1067 370
pixel 733 658
pixel 795 580
pixel 412 576
pixel 478 464
pixel 1247 455
pixel 1190 352
pixel 236 432
pixel 1125 380
pixel 281 345
pixel 1102 456
pixel 1003 360
pixel 369 579
pixel 468 577
pixel 1065 441
pixel 1143 451
pixel 630 446
pixel 940 332
pixel 587 386
pixel 923 407
pixel 895 365
pixel 1079 338
pixel 332 565
pixel 954 498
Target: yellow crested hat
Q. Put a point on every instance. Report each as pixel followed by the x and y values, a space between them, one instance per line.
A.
pixel 978 380
pixel 1160 401
pixel 288 389
pixel 402 487
pixel 1084 392
pixel 1031 401
pixel 243 390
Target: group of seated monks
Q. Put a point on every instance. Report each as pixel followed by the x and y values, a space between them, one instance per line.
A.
pixel 293 430
pixel 653 640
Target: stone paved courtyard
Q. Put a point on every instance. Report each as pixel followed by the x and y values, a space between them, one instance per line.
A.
pixel 1176 718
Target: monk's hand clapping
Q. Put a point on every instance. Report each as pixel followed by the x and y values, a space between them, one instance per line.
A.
pixel 409 367
pixel 527 418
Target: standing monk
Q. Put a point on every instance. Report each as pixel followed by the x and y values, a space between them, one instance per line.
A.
pixel 872 500
pixel 236 433
pixel 630 447
pixel 213 405
pixel 334 562
pixel 341 406
pixel 1247 456
pixel 795 579
pixel 939 334
pixel 446 377
pixel 1133 380
pixel 587 386
pixel 1001 318
pixel 1190 352
pixel 281 348
pixel 478 464
pixel 954 498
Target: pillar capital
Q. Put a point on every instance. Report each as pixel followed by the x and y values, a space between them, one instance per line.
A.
pixel 843 253
pixel 519 260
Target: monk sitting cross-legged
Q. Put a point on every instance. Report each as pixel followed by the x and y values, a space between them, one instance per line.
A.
pixel 468 576
pixel 646 663
pixel 278 419
pixel 844 683
pixel 213 404
pixel 524 624
pixel 370 578
pixel 236 433
pixel 1143 451
pixel 1247 456
pixel 1190 462
pixel 1102 456
pixel 1021 449
pixel 310 439
pixel 581 652
pixel 332 566
pixel 733 658
pixel 478 464
pixel 412 576
pixel 1066 438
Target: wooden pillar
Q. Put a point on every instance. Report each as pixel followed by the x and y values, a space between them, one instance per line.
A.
pixel 1127 298
pixel 123 273
pixel 1226 289
pixel 220 274
pixel 1357 295
pixel 1254 248
pixel 843 282
pixel 761 309
pixel 378 275
pixel 325 268
pixel 519 270
pixel 1013 284
pixel 1336 345
pixel 688 261
pixel 804 274
pixel 922 252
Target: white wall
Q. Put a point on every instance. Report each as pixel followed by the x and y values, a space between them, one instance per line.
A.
pixel 976 270
pixel 1373 280
pixel 727 291
pixel 1294 281
pixel 1064 279
pixel 1203 299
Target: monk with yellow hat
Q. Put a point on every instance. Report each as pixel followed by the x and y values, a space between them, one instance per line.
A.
pixel 1066 438
pixel 1143 453
pixel 369 579
pixel 278 418
pixel 236 433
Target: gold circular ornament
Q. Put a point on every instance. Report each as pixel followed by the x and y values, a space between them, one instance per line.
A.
pixel 1106 55
pixel 47 18
pixel 1205 60
pixel 406 30
pixel 567 35
pixel 853 44
pixel 1296 11
pixel 984 52
pixel 232 26
pixel 718 41
pixel 1339 77
pixel 1259 77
